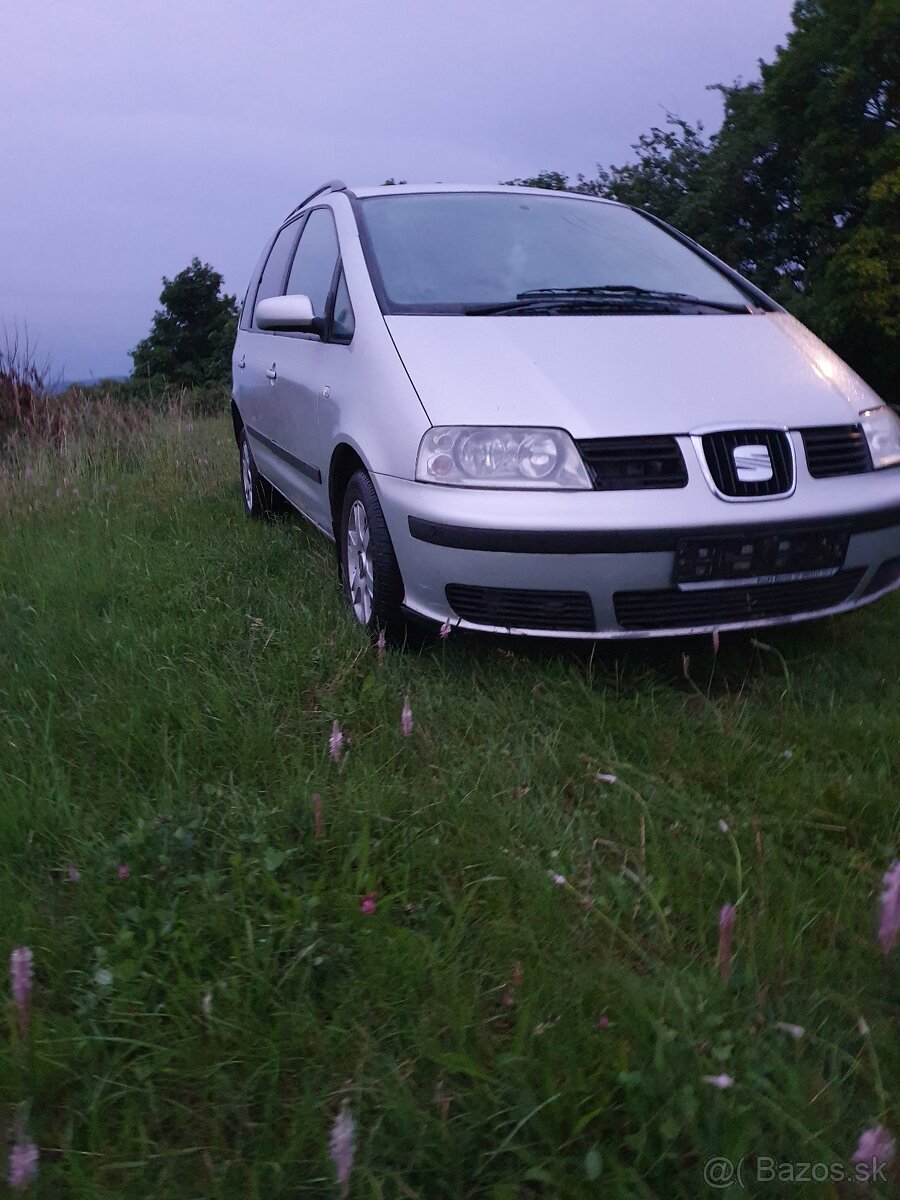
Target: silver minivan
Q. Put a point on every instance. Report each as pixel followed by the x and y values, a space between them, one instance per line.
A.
pixel 544 413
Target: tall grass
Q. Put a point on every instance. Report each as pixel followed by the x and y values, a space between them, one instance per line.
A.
pixel 504 962
pixel 65 437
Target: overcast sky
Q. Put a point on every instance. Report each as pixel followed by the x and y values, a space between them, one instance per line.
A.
pixel 137 135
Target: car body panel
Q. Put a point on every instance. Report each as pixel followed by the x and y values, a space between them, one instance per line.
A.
pixel 609 376
pixel 600 376
pixel 328 394
pixel 631 519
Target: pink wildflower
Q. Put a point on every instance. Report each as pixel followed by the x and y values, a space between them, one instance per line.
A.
pixel 406 721
pixel 726 927
pixel 559 880
pixel 606 778
pixel 719 1081
pixel 23 1165
pixel 73 873
pixel 343 1139
pixel 875 1146
pixel 21 974
pixel 318 820
pixel 889 926
pixel 367 903
pixel 123 871
pixel 446 630
pixel 603 1022
pixel 336 742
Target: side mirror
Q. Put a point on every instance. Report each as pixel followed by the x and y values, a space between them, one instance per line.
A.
pixel 285 313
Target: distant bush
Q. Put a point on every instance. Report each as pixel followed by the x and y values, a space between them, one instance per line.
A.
pixel 190 340
pixel 114 415
pixel 23 386
pixel 158 394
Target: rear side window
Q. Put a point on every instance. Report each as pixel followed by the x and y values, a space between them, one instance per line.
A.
pixel 312 271
pixel 271 281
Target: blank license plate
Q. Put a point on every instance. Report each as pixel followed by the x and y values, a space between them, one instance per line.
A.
pixel 769 558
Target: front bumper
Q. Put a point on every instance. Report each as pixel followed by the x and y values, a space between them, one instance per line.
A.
pixel 604 561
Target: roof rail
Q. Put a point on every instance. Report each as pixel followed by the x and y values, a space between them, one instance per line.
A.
pixel 333 185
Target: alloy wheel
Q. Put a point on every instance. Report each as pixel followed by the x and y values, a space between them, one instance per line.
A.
pixel 247 476
pixel 359 563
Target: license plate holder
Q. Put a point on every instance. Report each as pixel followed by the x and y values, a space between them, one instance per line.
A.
pixel 760 558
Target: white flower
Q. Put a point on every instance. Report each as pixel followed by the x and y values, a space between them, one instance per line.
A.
pixel 719 1081
pixel 343 1142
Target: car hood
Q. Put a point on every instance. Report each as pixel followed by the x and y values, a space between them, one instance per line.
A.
pixel 621 375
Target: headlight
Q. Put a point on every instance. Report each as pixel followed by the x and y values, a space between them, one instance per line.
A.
pixel 882 429
pixel 500 457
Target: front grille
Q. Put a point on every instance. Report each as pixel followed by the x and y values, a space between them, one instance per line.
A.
pixel 836 450
pixel 521 608
pixel 627 463
pixel 719 448
pixel 672 609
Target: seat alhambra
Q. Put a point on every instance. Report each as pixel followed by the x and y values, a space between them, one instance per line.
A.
pixel 545 413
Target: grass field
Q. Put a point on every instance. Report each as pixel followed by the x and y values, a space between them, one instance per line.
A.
pixel 169 676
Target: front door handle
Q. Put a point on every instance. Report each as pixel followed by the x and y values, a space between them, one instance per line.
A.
pixel 271 373
pixel 242 362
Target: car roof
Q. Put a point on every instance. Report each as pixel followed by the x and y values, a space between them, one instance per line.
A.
pixel 407 189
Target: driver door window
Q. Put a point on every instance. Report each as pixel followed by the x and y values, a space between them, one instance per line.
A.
pixel 312 271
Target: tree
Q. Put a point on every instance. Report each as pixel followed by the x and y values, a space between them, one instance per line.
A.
pixel 191 337
pixel 551 181
pixel 664 178
pixel 799 189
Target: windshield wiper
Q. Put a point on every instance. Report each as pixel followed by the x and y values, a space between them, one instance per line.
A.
pixel 626 291
pixel 551 301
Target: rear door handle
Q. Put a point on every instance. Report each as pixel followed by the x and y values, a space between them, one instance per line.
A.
pixel 271 373
pixel 242 361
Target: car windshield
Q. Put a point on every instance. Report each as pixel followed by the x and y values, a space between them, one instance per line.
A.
pixel 453 252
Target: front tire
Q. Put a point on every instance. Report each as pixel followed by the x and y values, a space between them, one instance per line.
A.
pixel 372 584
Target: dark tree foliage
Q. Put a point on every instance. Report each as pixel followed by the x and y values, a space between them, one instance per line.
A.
pixel 192 335
pixel 552 181
pixel 800 188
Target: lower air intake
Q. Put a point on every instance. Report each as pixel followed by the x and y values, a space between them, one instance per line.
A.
pixel 886 576
pixel 520 608
pixel 672 609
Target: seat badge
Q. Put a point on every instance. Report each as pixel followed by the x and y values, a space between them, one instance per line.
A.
pixel 753 463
